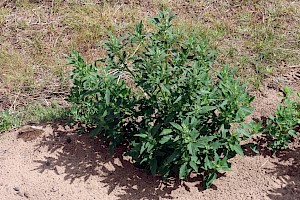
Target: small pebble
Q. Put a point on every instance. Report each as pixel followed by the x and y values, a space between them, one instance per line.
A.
pixel 26 195
pixel 47 163
pixel 69 140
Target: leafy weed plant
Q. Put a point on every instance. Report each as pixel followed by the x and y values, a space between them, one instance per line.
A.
pixel 7 121
pixel 158 93
pixel 282 126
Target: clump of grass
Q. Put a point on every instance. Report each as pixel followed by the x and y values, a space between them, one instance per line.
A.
pixel 34 113
pixel 260 37
pixel 7 121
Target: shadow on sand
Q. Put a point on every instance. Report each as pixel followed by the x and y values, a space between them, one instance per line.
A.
pixel 82 157
pixel 287 171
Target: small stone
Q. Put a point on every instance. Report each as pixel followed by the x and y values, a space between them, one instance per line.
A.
pixel 20 194
pixel 69 140
pixel 16 189
pixel 47 163
pixel 26 195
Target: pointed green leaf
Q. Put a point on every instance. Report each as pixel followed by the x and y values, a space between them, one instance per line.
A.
pixel 165 139
pixel 206 109
pixel 142 135
pixel 183 171
pixel 178 99
pixel 177 126
pixel 107 96
pixel 166 132
pixel 209 179
pixel 207 163
pixel 153 166
pixel 237 148
pixel 194 166
pixel 242 131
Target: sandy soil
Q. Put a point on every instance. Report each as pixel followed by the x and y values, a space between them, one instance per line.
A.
pixel 52 162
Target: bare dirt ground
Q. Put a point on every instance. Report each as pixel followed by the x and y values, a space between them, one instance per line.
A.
pixel 50 161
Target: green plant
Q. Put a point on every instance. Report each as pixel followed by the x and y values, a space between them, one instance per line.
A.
pixel 281 127
pixel 7 121
pixel 31 113
pixel 158 93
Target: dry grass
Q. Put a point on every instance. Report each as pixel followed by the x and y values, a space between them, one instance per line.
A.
pixel 261 38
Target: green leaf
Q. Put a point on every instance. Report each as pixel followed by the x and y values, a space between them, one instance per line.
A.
pixel 178 99
pixel 292 133
pixel 166 132
pixel 206 109
pixel 253 147
pixel 194 166
pixel 165 89
pixel 153 166
pixel 177 126
pixel 104 113
pixel 107 96
pixel 242 131
pixel 246 110
pixel 224 163
pixel 142 135
pixel 237 148
pixel 173 156
pixel 215 145
pixel 143 148
pixel 207 163
pixel 165 139
pixel 194 159
pixel 209 179
pixel 190 148
pixel 183 171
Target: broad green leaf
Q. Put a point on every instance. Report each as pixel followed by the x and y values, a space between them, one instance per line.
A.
pixel 224 164
pixel 104 113
pixel 237 148
pixel 206 109
pixel 165 139
pixel 190 148
pixel 177 126
pixel 207 163
pixel 194 166
pixel 166 132
pixel 223 131
pixel 292 133
pixel 183 171
pixel 176 138
pixel 194 159
pixel 194 134
pixel 242 131
pixel 215 145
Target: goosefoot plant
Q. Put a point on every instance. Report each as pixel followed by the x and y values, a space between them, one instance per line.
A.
pixel 282 126
pixel 158 93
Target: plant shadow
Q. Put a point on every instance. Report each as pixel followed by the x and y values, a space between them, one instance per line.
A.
pixel 286 163
pixel 287 172
pixel 82 157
